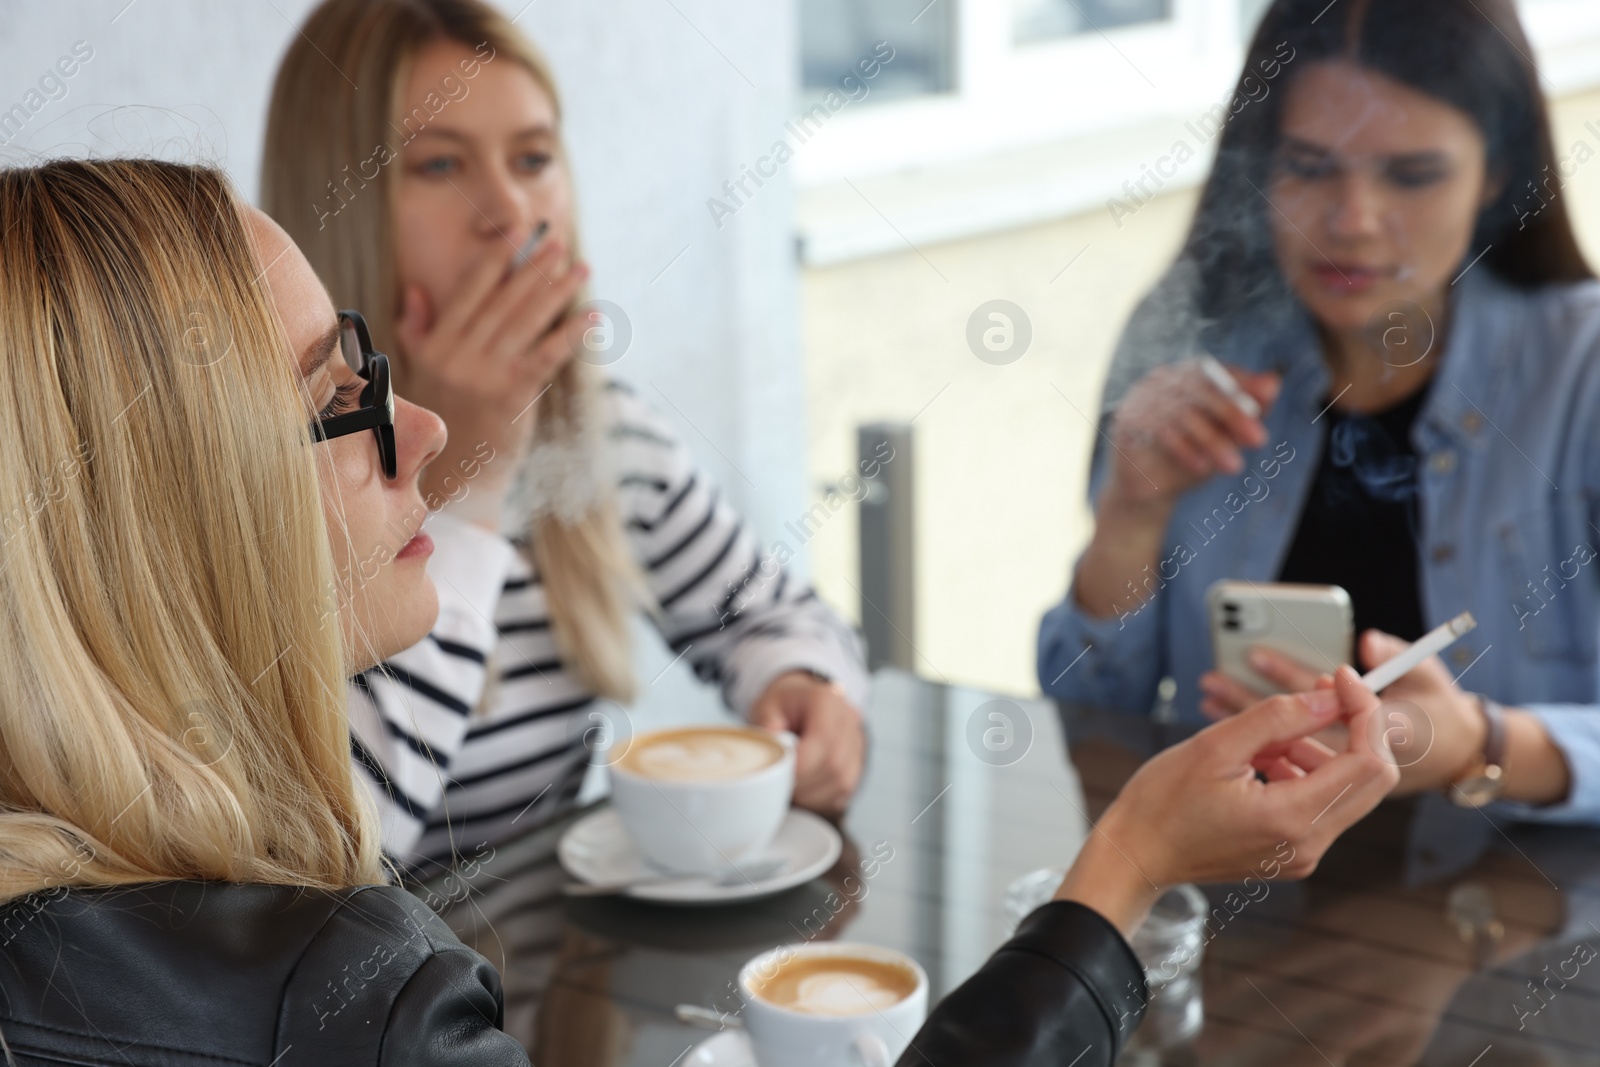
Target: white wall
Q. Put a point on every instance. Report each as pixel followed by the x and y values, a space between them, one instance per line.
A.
pixel 664 101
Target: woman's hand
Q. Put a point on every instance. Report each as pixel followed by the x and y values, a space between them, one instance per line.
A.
pixel 1434 728
pixel 1225 695
pixel 1175 429
pixel 484 357
pixel 1197 812
pixel 833 744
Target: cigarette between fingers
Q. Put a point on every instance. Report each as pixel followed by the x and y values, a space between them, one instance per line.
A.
pixel 1230 386
pixel 530 246
pixel 1429 644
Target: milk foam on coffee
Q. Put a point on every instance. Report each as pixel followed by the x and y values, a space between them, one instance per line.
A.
pixel 701 755
pixel 837 985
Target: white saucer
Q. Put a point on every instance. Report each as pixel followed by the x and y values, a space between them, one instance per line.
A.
pixel 597 850
pixel 731 1048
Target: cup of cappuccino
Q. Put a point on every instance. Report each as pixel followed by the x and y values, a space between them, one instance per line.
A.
pixel 702 799
pixel 851 1005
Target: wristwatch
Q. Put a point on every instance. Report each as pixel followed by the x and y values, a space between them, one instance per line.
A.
pixel 1483 782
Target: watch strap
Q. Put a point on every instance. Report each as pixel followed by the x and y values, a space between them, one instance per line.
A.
pixel 1482 783
pixel 1494 741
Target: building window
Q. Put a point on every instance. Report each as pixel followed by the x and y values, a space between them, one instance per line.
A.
pixel 1047 20
pixel 835 35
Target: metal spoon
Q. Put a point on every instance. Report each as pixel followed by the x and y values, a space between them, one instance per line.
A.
pixel 750 872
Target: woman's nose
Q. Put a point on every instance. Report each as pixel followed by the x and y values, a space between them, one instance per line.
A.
pixel 419 436
pixel 1357 210
pixel 503 206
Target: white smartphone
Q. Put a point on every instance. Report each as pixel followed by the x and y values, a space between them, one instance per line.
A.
pixel 1310 623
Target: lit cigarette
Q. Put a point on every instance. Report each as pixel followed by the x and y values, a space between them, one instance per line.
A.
pixel 1429 644
pixel 1230 386
pixel 526 252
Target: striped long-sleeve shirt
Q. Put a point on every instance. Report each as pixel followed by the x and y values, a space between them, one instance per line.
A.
pixel 450 776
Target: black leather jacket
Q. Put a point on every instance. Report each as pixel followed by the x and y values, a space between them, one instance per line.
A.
pixel 1065 989
pixel 197 974
pixel 185 974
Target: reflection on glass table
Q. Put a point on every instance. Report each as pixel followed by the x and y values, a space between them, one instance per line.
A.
pixel 1428 934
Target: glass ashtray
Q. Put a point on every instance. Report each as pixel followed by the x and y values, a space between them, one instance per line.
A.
pixel 1172 939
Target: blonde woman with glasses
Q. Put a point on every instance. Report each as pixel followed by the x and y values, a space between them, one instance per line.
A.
pixel 188 867
pixel 567 505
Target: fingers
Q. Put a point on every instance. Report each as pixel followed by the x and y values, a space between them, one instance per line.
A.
pixel 1225 695
pixel 1213 441
pixel 1283 671
pixel 1378 647
pixel 767 713
pixel 1354 696
pixel 1279 769
pixel 557 347
pixel 496 314
pixel 1172 439
pixel 1347 786
pixel 1304 753
pixel 1263 385
pixel 464 306
pixel 836 743
pixel 530 307
pixel 416 319
pixel 809 758
pixel 1276 720
pixel 1227 414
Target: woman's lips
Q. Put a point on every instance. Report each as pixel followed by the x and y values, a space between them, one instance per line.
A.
pixel 420 545
pixel 1347 278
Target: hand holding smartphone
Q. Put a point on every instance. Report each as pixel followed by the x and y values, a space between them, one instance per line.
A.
pixel 1312 624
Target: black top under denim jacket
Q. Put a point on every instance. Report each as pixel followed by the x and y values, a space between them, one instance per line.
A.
pixel 185 974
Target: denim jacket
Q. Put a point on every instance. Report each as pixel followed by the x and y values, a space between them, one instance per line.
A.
pixel 1508 443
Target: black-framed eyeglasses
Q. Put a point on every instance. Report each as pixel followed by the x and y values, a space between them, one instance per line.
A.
pixel 376 412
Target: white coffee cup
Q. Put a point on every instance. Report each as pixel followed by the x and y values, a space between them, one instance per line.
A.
pixel 846 1019
pixel 702 812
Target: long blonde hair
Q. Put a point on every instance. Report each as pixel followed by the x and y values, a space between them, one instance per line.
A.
pixel 326 137
pixel 172 707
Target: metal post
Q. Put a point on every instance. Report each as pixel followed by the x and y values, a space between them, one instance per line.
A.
pixel 888 567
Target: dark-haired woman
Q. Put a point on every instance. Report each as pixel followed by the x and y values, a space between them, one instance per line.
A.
pixel 1422 338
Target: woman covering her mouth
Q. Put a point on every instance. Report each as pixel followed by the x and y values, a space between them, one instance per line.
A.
pixel 568 506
